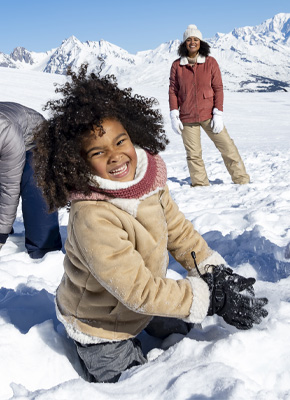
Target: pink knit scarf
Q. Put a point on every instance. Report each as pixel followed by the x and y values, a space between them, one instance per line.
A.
pixel 155 177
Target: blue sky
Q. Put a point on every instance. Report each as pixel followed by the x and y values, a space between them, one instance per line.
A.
pixel 134 25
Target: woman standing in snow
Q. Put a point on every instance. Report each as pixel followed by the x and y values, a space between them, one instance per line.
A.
pixel 196 100
pixel 103 143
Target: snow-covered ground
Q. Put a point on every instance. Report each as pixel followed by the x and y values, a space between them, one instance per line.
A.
pixel 249 225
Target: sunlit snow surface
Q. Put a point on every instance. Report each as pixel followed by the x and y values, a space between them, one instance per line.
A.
pixel 248 225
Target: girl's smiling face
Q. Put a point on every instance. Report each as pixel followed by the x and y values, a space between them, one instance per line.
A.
pixel 112 155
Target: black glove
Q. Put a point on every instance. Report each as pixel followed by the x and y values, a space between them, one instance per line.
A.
pixel 3 238
pixel 226 299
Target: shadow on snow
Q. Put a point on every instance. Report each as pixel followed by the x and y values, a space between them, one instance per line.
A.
pixel 267 259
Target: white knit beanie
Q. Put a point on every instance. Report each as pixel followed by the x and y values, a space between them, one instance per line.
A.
pixel 192 30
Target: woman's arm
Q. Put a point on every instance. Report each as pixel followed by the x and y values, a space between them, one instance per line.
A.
pixel 173 88
pixel 217 85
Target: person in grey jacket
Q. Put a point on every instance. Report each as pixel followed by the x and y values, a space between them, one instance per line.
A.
pixel 42 235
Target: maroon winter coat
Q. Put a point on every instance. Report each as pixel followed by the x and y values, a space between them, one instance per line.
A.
pixel 195 91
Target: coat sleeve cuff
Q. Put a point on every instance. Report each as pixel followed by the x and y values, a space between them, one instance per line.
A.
pixel 216 111
pixel 200 302
pixel 206 265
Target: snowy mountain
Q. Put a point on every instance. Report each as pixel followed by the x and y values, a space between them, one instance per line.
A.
pixel 251 58
pixel 255 58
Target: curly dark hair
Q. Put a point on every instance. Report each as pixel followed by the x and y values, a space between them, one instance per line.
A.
pixel 87 100
pixel 203 51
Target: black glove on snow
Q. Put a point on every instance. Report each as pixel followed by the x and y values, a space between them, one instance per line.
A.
pixel 227 301
pixel 3 238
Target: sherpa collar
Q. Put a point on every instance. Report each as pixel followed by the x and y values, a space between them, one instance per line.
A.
pixel 200 60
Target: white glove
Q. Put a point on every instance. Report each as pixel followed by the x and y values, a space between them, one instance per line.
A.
pixel 217 122
pixel 176 124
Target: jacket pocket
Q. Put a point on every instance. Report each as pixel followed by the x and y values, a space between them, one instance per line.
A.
pixel 185 105
pixel 181 98
pixel 207 94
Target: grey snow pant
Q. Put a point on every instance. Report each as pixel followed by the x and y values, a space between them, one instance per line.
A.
pixel 104 362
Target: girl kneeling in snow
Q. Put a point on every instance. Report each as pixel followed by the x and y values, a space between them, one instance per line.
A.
pixel 99 154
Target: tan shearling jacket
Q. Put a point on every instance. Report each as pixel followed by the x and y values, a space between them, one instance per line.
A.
pixel 117 257
pixel 115 269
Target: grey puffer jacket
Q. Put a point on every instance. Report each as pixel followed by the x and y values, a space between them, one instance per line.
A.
pixel 17 123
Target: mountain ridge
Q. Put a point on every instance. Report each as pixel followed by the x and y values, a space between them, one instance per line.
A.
pixel 251 58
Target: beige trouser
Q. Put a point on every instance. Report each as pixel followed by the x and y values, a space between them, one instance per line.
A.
pixel 223 142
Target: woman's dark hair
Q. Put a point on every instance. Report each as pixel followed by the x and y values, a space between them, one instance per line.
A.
pixel 88 99
pixel 203 51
